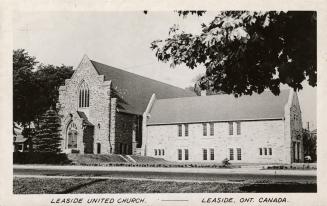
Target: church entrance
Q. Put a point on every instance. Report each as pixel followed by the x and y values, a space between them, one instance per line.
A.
pixel 72 136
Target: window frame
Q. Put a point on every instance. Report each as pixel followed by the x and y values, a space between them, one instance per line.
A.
pixel 231 128
pixel 179 154
pixel 179 130
pixel 238 128
pixel 231 154
pixel 212 153
pixel 212 128
pixel 239 153
pixel 186 131
pixel 186 154
pixel 204 129
pixel 204 154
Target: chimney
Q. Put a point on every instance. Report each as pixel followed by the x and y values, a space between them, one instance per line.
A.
pixel 203 93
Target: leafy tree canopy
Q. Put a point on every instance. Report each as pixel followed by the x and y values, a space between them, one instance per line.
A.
pixel 35 86
pixel 245 52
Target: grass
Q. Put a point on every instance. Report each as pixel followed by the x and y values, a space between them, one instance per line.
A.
pixel 82 186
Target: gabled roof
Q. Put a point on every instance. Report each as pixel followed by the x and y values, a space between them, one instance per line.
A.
pixel 218 108
pixel 84 117
pixel 134 90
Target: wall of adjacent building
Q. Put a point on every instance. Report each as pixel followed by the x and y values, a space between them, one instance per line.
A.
pixel 254 135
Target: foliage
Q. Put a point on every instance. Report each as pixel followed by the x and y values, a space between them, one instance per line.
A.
pixel 35 88
pixel 246 52
pixel 47 137
pixel 225 162
pixel 40 158
pixel 24 87
pixel 310 144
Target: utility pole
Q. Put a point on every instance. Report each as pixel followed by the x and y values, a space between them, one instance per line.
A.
pixel 308 126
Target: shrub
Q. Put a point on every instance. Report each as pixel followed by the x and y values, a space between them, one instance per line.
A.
pixel 40 158
pixel 226 163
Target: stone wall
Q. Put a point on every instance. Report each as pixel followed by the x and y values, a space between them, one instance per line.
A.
pixel 254 135
pixel 125 129
pixel 99 109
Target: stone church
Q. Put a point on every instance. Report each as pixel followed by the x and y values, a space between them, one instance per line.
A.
pixel 106 110
pixel 102 108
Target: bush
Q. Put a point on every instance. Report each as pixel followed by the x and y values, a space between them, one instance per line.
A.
pixel 225 163
pixel 40 158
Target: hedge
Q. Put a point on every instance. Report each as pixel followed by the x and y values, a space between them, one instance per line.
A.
pixel 40 158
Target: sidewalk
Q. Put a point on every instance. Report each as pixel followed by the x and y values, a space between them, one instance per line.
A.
pixel 247 170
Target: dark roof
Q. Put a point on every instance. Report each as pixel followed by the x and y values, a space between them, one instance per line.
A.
pixel 218 108
pixel 134 90
pixel 84 117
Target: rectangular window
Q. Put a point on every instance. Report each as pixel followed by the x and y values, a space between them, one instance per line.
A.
pixel 155 152
pixel 270 151
pixel 159 152
pixel 204 129
pixel 163 152
pixel 204 154
pixel 179 130
pixel 179 154
pixel 230 128
pixel 186 129
pixel 260 151
pixel 238 128
pixel 212 154
pixel 212 129
pixel 231 154
pixel 186 154
pixel 265 151
pixel 239 154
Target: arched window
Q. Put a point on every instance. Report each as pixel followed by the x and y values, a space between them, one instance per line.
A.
pixel 72 135
pixel 84 95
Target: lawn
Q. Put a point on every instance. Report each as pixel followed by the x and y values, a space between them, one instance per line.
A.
pixel 64 186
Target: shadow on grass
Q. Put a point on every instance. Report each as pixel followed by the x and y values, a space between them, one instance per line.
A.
pixel 77 187
pixel 289 187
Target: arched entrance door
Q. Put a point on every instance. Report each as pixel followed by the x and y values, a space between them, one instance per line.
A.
pixel 72 136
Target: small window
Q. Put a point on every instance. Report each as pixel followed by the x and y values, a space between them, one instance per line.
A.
pixel 179 154
pixel 231 154
pixel 230 128
pixel 204 154
pixel 270 151
pixel 159 152
pixel 212 129
pixel 186 154
pixel 212 154
pixel 239 154
pixel 186 129
pixel 265 151
pixel 260 151
pixel 204 129
pixel 155 152
pixel 238 128
pixel 179 130
pixel 163 152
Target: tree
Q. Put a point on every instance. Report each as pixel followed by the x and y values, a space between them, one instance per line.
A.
pixel 309 144
pixel 35 89
pixel 24 87
pixel 246 52
pixel 47 137
pixel 49 78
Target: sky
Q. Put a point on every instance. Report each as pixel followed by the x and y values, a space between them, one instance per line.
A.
pixel 119 39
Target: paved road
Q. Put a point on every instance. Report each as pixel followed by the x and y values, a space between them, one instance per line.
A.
pixel 236 176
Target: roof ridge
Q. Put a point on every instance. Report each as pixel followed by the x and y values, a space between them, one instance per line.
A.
pixel 135 74
pixel 215 95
